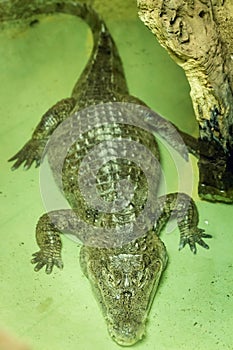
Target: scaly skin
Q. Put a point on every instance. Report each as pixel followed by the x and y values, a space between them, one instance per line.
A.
pixel 124 277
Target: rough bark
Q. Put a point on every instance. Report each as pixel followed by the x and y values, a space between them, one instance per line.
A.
pixel 198 34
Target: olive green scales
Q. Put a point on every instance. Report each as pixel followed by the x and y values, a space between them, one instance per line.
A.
pixel 123 276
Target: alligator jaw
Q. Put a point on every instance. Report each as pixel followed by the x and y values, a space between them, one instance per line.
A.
pixel 125 335
pixel 126 317
pixel 125 281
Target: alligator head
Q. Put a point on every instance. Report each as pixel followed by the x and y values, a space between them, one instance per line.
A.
pixel 125 281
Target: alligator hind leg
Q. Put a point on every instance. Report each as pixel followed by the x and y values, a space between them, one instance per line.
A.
pixel 33 150
pixel 181 206
pixel 161 124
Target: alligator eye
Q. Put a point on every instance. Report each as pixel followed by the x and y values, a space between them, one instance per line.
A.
pixel 143 277
pixel 110 278
pixel 107 276
pixel 136 277
pixel 117 278
pixel 157 264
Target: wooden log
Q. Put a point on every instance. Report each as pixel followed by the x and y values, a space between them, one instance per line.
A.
pixel 198 34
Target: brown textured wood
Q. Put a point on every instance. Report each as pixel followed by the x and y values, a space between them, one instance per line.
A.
pixel 198 34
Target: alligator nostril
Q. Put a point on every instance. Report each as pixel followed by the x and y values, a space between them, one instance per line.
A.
pixel 127 294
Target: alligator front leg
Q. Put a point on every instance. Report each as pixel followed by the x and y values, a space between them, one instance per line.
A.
pixel 33 150
pixel 49 241
pixel 48 236
pixel 181 206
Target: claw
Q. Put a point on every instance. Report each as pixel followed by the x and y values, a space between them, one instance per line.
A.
pixel 183 243
pixel 192 247
pixel 31 152
pixel 49 269
pixel 203 244
pixel 194 236
pixel 42 259
pixel 204 235
pixel 16 165
pixel 38 266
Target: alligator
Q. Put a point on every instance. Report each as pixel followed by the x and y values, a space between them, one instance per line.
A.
pixel 124 271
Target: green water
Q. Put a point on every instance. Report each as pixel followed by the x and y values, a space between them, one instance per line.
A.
pixel 193 306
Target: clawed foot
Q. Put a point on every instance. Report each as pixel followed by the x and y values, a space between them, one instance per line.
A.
pixel 192 237
pixel 43 258
pixel 31 152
